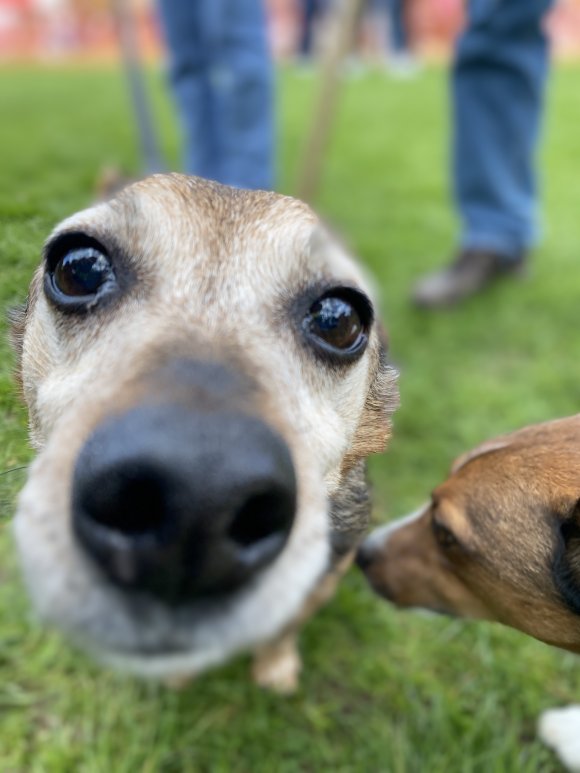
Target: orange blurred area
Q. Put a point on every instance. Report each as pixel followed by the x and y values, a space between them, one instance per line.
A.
pixel 60 30
pixel 57 30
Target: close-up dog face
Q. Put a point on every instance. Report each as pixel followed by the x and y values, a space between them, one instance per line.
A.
pixel 499 540
pixel 204 379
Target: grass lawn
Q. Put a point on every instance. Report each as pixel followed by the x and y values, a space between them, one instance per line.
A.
pixel 382 690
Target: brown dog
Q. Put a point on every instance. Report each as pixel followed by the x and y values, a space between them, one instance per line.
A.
pixel 499 540
pixel 205 379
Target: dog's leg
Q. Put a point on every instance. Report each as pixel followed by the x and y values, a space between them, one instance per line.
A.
pixel 277 664
pixel 179 682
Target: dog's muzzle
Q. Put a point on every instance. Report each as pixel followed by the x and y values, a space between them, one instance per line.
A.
pixel 181 503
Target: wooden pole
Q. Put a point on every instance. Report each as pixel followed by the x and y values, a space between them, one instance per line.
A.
pixel 151 155
pixel 341 31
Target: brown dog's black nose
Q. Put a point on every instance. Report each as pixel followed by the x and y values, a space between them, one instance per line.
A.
pixel 364 556
pixel 181 504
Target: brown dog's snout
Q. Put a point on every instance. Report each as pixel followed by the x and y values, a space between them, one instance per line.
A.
pixel 180 503
pixel 364 556
pixel 370 559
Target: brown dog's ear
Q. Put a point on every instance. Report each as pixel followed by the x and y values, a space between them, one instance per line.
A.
pixel 566 568
pixel 483 448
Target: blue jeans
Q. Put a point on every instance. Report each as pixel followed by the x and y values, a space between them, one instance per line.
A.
pixel 311 11
pixel 498 80
pixel 395 13
pixel 222 78
pixel 399 38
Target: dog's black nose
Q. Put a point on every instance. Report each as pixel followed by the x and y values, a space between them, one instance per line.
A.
pixel 182 504
pixel 365 556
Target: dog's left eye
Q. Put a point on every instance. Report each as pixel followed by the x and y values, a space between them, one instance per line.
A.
pixel 338 322
pixel 78 271
pixel 444 536
pixel 82 272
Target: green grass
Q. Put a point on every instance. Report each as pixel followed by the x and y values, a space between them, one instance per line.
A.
pixel 382 690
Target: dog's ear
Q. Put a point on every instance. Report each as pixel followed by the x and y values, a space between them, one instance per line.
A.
pixel 374 430
pixel 566 568
pixel 17 319
pixel 382 399
pixel 17 323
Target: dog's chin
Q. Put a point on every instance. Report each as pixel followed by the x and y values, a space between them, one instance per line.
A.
pixel 145 637
pixel 161 655
pixel 164 644
pixel 152 641
pixel 169 666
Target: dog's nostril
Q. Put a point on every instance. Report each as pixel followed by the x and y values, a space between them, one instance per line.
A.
pixel 131 501
pixel 262 516
pixel 364 557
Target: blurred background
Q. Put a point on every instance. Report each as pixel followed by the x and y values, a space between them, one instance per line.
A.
pixel 382 690
pixel 57 30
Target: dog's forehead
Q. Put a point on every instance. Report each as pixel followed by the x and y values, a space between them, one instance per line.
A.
pixel 188 230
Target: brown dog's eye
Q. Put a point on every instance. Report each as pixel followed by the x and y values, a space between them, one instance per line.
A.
pixel 445 538
pixel 82 272
pixel 338 324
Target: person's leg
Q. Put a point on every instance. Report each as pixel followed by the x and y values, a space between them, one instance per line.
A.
pixel 188 29
pixel 498 83
pixel 309 10
pixel 399 39
pixel 243 94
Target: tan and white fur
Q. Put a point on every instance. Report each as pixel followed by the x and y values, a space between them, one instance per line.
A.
pixel 215 274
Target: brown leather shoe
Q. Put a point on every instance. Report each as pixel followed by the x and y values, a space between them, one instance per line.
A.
pixel 471 272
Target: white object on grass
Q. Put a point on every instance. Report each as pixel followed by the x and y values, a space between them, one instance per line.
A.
pixel 560 730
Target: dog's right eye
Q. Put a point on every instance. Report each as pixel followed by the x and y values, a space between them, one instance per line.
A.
pixel 79 271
